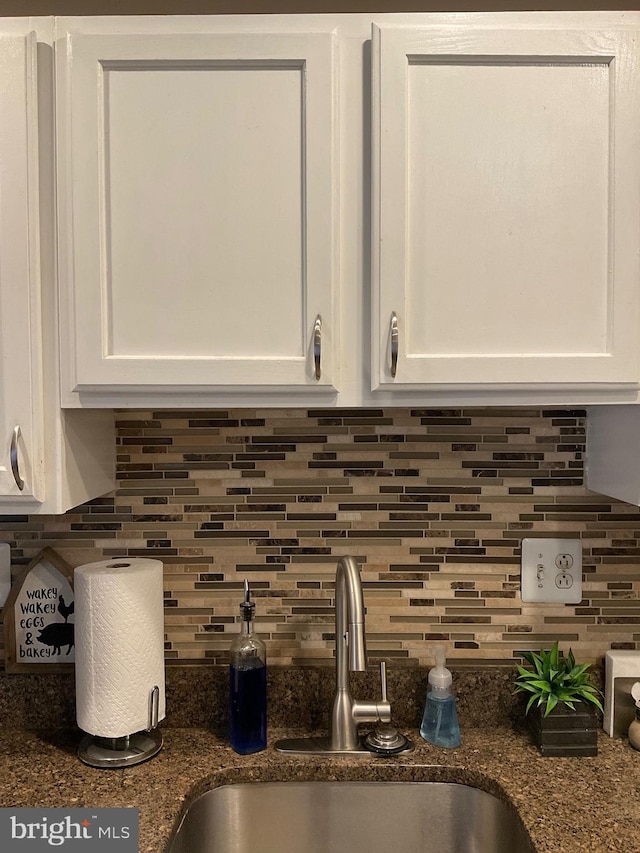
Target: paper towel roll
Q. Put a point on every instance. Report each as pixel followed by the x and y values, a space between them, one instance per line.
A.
pixel 119 639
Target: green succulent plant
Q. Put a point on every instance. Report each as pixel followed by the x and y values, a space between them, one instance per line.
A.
pixel 555 679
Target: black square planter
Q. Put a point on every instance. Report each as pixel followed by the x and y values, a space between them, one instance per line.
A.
pixel 564 732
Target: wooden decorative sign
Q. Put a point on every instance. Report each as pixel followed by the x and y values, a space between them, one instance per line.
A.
pixel 38 617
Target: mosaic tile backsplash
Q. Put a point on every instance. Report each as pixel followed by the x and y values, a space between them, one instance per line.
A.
pixel 432 503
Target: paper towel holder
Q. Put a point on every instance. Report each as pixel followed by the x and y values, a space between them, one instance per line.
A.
pixel 116 752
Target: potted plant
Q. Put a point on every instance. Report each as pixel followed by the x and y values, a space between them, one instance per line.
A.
pixel 562 703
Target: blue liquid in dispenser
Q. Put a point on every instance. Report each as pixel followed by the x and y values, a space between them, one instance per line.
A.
pixel 248 707
pixel 440 721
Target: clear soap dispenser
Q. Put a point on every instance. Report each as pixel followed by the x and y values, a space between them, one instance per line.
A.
pixel 440 720
pixel 247 685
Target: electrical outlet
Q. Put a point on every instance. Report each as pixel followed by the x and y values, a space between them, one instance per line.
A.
pixel 552 570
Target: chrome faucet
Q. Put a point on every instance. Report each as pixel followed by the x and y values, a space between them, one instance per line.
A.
pixel 351 655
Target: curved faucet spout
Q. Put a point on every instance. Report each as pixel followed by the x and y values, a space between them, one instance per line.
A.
pixel 350 635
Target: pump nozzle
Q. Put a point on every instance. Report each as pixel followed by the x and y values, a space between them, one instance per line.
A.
pixel 440 654
pixel 440 677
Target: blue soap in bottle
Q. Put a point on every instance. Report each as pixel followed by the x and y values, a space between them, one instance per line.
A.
pixel 440 721
pixel 247 685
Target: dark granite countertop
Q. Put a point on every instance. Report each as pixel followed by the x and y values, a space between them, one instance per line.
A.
pixel 566 804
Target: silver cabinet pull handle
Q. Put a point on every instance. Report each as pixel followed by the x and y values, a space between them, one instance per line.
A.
pixel 13 456
pixel 394 344
pixel 317 345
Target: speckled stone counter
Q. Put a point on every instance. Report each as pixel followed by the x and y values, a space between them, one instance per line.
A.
pixel 566 804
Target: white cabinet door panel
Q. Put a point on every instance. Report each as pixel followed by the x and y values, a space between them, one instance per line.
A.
pixel 198 209
pixel 506 206
pixel 20 330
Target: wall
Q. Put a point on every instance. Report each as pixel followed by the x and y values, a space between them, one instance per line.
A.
pixel 433 503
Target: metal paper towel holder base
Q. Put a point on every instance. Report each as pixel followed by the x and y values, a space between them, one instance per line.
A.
pixel 117 752
pixel 125 751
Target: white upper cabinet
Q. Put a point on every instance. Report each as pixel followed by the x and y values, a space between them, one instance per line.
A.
pixel 612 457
pixel 198 203
pixel 50 460
pixel 506 204
pixel 349 210
pixel 21 413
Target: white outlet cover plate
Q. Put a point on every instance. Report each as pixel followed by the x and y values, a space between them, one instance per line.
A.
pixel 552 570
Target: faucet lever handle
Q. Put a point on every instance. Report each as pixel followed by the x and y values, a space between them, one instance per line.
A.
pixel 383 679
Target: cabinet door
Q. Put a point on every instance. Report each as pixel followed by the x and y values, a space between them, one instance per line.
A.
pixel 506 207
pixel 612 458
pixel 198 201
pixel 21 431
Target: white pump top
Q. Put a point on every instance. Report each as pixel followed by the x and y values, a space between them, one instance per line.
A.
pixel 440 677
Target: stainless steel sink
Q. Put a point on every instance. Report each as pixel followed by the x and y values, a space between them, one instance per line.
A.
pixel 349 817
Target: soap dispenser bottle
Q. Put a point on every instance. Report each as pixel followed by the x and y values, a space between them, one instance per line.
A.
pixel 247 685
pixel 440 720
